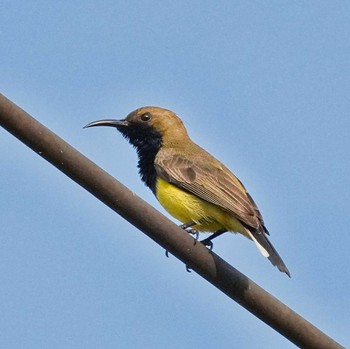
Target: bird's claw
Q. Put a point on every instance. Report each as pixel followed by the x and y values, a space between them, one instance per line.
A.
pixel 195 233
pixel 188 269
pixel 190 231
pixel 187 227
pixel 208 243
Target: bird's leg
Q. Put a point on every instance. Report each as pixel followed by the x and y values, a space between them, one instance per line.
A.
pixel 208 241
pixel 185 226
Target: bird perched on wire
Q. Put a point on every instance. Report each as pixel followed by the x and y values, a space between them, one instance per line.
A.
pixel 192 185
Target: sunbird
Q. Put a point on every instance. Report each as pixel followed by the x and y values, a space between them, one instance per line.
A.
pixel 191 184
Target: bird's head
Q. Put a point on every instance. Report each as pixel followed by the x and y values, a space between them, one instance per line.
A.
pixel 148 124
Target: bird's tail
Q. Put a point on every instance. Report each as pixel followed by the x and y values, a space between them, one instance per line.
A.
pixel 265 247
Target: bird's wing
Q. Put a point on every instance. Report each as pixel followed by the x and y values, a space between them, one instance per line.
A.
pixel 211 181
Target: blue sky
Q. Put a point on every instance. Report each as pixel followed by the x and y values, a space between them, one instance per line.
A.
pixel 264 86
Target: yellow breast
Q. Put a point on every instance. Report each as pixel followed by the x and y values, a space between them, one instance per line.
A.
pixel 187 208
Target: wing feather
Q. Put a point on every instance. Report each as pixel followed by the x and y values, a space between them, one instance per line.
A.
pixel 201 174
pixel 211 181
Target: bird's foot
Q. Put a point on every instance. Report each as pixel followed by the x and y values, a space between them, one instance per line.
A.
pixel 190 231
pixel 209 243
pixel 187 227
pixel 195 233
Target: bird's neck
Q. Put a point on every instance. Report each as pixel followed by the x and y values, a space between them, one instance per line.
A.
pixel 147 151
pixel 148 145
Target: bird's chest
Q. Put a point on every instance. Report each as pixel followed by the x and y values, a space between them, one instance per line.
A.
pixel 187 207
pixel 177 202
pixel 147 152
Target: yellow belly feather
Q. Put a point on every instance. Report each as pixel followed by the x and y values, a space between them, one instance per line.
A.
pixel 189 208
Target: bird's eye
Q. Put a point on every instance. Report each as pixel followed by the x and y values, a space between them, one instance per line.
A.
pixel 146 117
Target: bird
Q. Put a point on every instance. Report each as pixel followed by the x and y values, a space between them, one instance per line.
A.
pixel 191 184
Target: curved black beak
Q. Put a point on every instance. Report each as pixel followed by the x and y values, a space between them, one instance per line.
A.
pixel 108 122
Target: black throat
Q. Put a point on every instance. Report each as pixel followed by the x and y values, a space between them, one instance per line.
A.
pixel 147 143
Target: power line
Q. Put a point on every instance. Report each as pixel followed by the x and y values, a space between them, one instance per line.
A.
pixel 120 199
